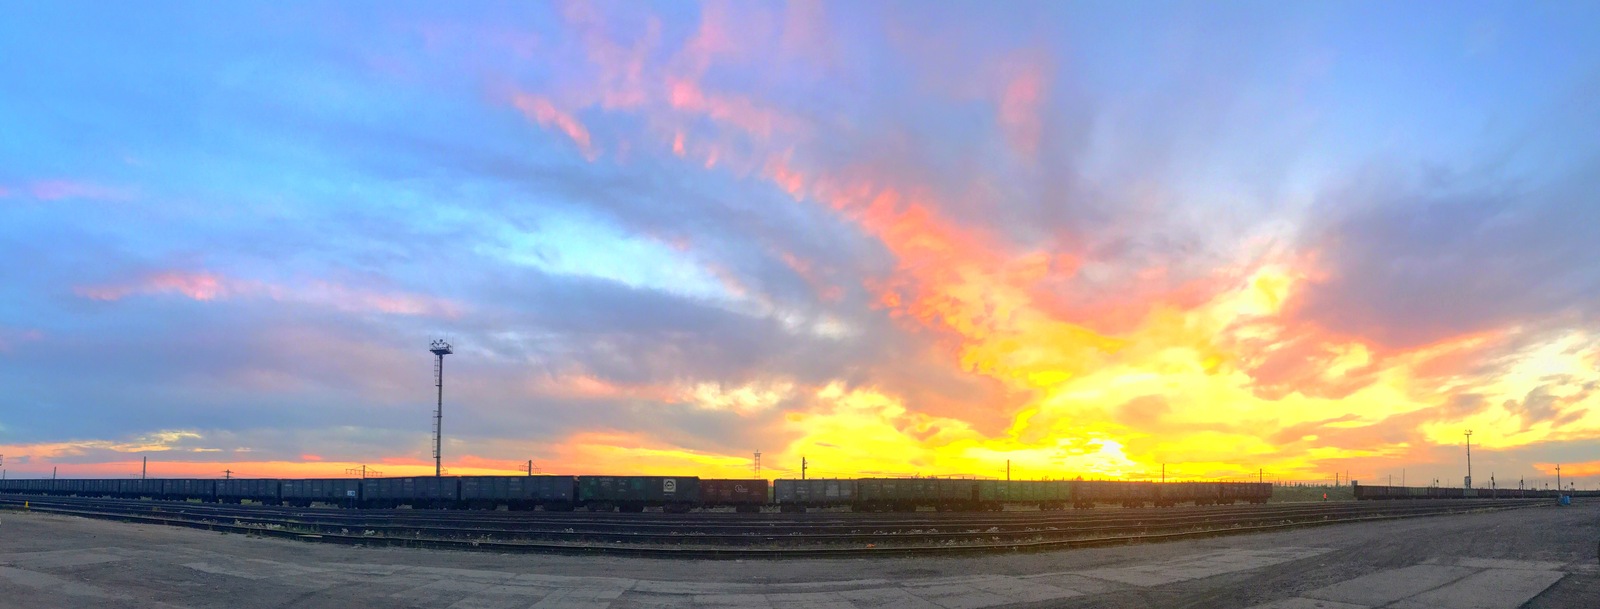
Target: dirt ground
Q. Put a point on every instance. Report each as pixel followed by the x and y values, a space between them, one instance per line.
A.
pixel 1538 557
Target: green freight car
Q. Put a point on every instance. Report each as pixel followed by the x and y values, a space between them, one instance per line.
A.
pixel 993 495
pixel 908 494
pixel 634 493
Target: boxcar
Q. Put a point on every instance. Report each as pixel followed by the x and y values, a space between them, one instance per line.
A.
pixel 1088 493
pixel 744 495
pixel 554 493
pixel 797 495
pixel 337 491
pixel 415 491
pixel 265 490
pixel 634 493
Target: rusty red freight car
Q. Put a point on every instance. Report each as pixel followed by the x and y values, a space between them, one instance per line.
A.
pixel 744 495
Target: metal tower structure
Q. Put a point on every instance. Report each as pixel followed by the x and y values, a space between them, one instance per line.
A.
pixel 755 465
pixel 440 348
pixel 363 471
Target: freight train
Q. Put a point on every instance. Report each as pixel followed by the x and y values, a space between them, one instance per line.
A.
pixel 670 493
pixel 1367 492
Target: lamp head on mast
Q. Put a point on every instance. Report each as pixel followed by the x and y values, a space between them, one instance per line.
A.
pixel 440 347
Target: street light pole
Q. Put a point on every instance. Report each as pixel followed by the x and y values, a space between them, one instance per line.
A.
pixel 1469 458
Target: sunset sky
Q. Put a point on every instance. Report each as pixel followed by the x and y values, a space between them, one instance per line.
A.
pixel 921 238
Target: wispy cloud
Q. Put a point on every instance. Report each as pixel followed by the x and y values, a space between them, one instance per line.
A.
pixel 542 111
pixel 208 286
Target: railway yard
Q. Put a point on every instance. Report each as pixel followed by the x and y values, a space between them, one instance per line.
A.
pixel 1527 554
pixel 600 542
pixel 738 536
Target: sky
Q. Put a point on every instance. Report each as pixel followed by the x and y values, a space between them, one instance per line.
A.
pixel 1227 241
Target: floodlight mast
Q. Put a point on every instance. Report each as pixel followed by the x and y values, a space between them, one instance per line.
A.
pixel 440 348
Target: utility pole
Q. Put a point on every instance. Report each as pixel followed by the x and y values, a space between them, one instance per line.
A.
pixel 1558 477
pixel 227 474
pixel 144 468
pixel 1261 475
pixel 1469 458
pixel 803 466
pixel 439 348
pixel 52 472
pixel 1008 470
pixel 1163 473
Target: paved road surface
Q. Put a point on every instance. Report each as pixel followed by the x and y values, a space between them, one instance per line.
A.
pixel 1542 557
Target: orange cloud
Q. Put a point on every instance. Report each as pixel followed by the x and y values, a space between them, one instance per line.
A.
pixel 1570 472
pixel 540 110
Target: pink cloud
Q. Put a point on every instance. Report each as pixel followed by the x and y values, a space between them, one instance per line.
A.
pixel 198 286
pixel 206 286
pixel 738 111
pixel 620 70
pixel 10 340
pixel 539 109
pixel 1019 110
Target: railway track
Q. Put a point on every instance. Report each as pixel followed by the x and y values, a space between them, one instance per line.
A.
pixel 746 535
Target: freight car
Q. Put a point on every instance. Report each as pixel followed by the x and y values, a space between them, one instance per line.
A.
pixel 1089 493
pixel 743 495
pixel 1198 493
pixel 801 495
pixel 552 493
pixel 1247 492
pixel 343 492
pixel 994 495
pixel 434 492
pixel 634 493
pixel 238 490
pixel 907 494
pixel 1366 492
